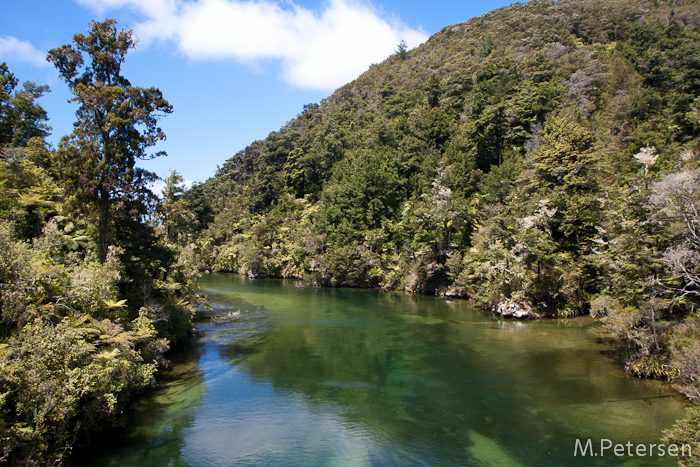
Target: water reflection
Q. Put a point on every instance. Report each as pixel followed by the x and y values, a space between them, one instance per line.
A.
pixel 303 376
pixel 156 431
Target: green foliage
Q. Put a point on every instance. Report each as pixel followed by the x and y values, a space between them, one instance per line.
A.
pixel 684 350
pixel 21 118
pixel 542 157
pixel 561 171
pixel 116 122
pixel 59 379
pixel 28 192
pixel 402 50
pixel 487 45
pixel 363 191
pixel 527 119
pixel 17 275
pixel 84 327
pixel 93 286
pixel 686 431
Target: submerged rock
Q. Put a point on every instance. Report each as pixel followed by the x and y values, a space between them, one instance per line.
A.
pixel 489 452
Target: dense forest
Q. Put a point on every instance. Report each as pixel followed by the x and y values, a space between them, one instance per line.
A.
pixel 91 293
pixel 541 160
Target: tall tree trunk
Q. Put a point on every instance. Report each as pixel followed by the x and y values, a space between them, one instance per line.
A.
pixel 102 226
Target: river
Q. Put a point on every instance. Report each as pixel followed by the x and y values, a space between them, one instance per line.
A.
pixel 286 375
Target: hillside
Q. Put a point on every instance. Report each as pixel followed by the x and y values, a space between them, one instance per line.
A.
pixel 541 160
pixel 391 180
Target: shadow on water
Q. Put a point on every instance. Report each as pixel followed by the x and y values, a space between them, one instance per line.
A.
pixel 284 375
pixel 154 431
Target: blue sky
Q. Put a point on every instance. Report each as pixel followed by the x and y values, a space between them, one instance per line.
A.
pixel 233 70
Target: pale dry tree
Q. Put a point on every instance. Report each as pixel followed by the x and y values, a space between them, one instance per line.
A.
pixel 678 197
pixel 646 156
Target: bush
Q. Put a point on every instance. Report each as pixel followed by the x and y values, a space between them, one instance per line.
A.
pixel 686 431
pixel 57 380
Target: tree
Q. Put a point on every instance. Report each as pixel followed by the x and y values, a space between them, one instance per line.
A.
pixel 402 50
pixel 175 214
pixel 562 170
pixel 117 122
pixel 28 194
pixel 21 118
pixel 487 45
pixel 678 196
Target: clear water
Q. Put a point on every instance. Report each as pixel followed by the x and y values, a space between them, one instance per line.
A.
pixel 334 377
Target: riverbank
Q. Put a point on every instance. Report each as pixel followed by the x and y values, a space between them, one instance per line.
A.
pixel 365 378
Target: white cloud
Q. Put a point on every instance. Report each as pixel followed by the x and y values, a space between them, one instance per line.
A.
pixel 317 50
pixel 12 48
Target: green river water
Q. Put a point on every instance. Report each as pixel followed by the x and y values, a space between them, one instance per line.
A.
pixel 283 375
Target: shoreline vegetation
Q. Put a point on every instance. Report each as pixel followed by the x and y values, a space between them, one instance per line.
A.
pixel 92 294
pixel 541 160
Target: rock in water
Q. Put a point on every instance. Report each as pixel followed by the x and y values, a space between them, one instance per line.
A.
pixel 520 310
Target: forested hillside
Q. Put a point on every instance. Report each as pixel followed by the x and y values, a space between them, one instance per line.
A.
pixel 541 160
pixel 516 139
pixel 505 160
